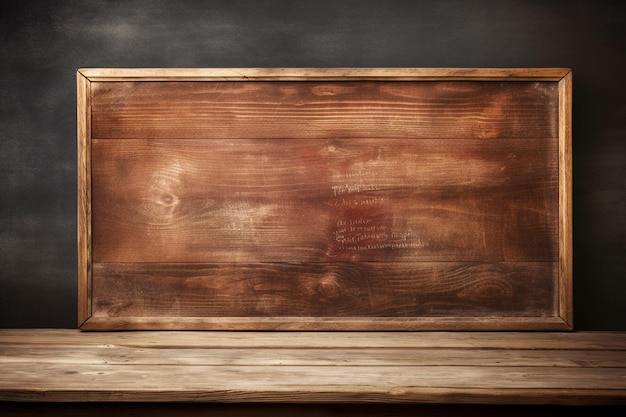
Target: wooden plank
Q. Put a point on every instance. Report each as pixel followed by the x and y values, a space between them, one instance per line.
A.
pixel 322 74
pixel 294 380
pixel 296 323
pixel 84 256
pixel 329 367
pixel 310 201
pixel 313 384
pixel 364 109
pixel 559 341
pixel 566 244
pixel 450 396
pixel 330 290
pixel 124 355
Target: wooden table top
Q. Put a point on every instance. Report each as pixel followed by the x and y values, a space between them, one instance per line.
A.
pixel 566 368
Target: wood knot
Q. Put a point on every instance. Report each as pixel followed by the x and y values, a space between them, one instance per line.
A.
pixel 328 287
pixel 168 199
pixel 488 290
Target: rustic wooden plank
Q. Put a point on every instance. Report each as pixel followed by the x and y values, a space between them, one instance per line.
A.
pixel 368 200
pixel 331 290
pixel 323 323
pixel 559 341
pixel 121 354
pixel 313 384
pixel 263 379
pixel 84 256
pixel 304 378
pixel 452 396
pixel 293 323
pixel 347 109
pixel 418 367
pixel 566 260
pixel 322 74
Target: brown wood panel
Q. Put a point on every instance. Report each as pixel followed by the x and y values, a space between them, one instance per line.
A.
pixel 309 201
pixel 83 194
pixel 324 74
pixel 313 109
pixel 566 260
pixel 316 324
pixel 324 290
pixel 327 198
pixel 577 341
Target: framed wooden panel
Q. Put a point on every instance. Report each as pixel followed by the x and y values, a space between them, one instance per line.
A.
pixel 324 199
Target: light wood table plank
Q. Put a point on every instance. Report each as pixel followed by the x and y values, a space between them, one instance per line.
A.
pixel 577 368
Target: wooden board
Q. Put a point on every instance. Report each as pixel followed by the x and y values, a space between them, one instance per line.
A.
pixel 325 199
pixel 521 368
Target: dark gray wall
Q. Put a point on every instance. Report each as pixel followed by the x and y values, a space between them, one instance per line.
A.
pixel 42 43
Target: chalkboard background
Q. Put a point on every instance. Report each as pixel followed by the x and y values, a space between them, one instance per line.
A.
pixel 43 43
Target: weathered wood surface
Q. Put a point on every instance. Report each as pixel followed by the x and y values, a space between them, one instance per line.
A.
pixel 322 290
pixel 278 367
pixel 323 74
pixel 325 198
pixel 320 110
pixel 303 201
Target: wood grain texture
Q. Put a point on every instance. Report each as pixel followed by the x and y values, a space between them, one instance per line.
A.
pixel 292 323
pixel 293 199
pixel 368 200
pixel 355 356
pixel 326 367
pixel 554 341
pixel 323 74
pixel 365 109
pixel 83 98
pixel 566 244
pixel 325 290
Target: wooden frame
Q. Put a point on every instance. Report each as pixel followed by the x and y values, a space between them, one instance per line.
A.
pixel 324 199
